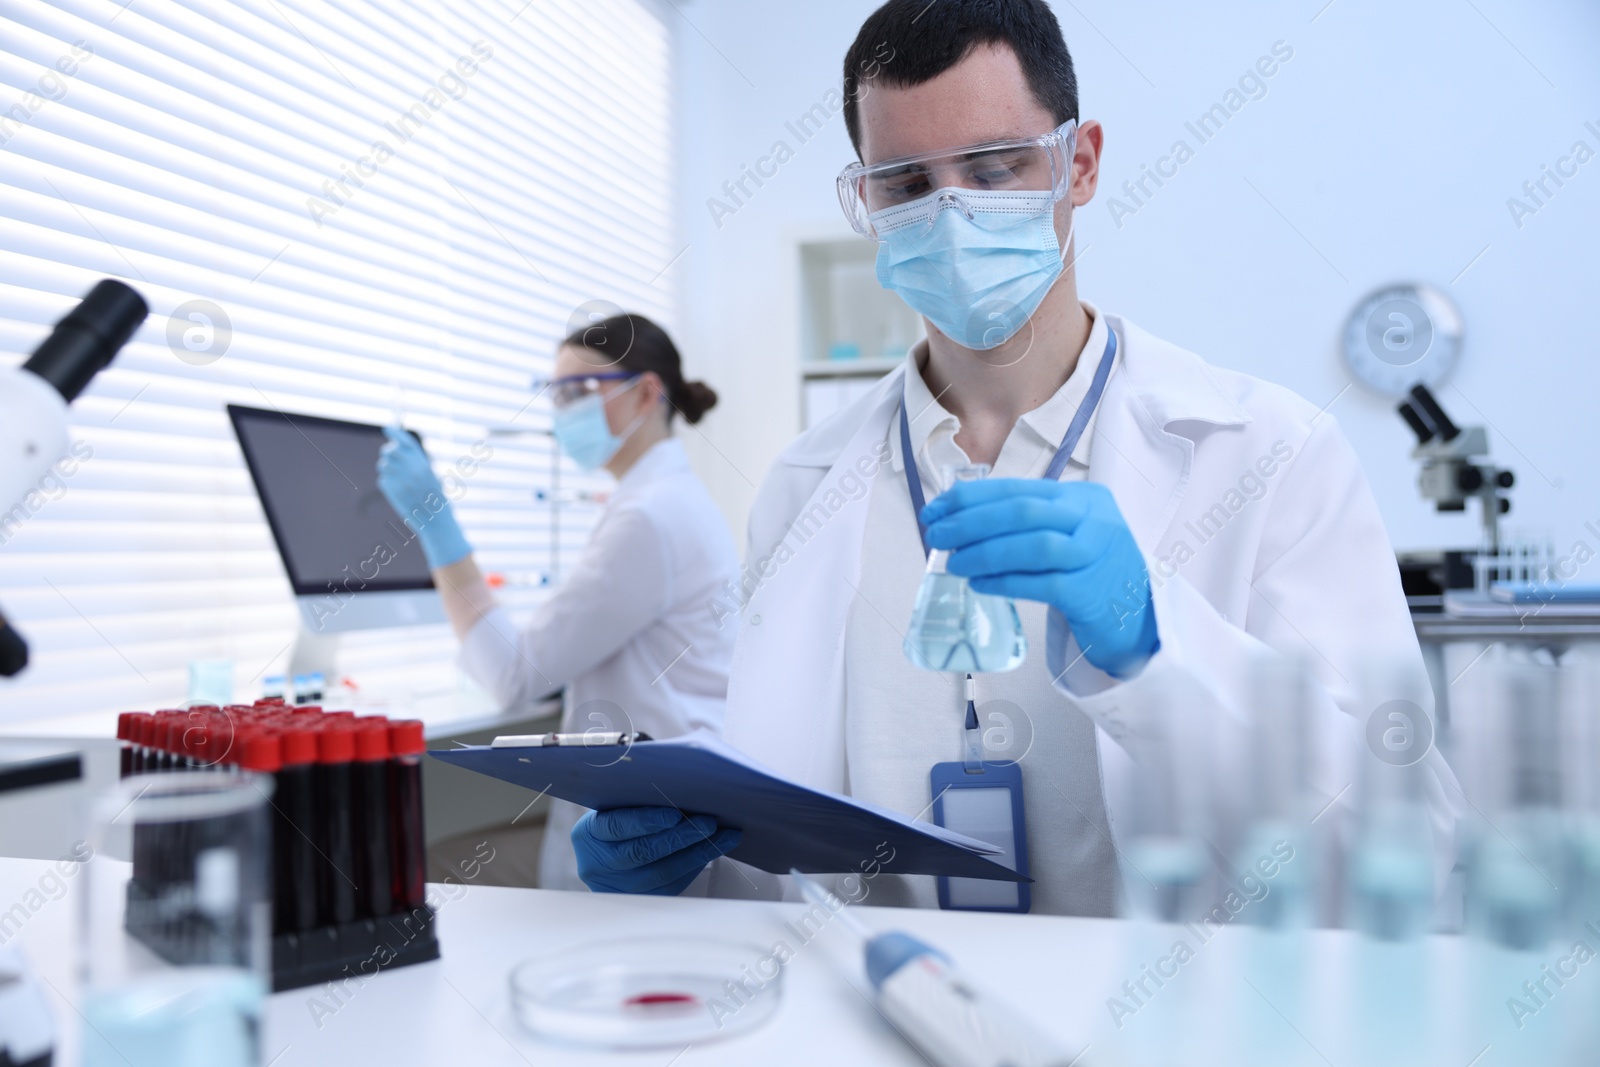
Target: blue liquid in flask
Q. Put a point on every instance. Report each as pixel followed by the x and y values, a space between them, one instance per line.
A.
pixel 954 628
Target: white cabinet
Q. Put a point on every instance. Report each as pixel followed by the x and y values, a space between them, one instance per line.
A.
pixel 853 330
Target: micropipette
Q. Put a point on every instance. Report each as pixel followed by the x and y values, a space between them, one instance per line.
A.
pixel 921 993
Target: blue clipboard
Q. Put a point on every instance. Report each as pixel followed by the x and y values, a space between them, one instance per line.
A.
pixel 785 825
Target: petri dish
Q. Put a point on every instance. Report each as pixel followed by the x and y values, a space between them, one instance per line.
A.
pixel 647 992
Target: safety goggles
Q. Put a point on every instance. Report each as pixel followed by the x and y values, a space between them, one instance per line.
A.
pixel 911 188
pixel 574 387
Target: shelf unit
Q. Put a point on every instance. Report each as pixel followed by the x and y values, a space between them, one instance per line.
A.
pixel 849 368
pixel 844 308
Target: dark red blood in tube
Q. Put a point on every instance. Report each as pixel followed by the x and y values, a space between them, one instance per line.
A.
pixel 139 734
pixel 294 851
pixel 125 750
pixel 336 874
pixel 176 725
pixel 370 774
pixel 405 813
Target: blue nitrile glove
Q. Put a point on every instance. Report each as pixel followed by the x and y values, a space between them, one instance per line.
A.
pixel 653 850
pixel 409 484
pixel 1064 544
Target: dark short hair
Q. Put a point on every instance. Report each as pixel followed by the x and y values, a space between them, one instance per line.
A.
pixel 908 42
pixel 631 342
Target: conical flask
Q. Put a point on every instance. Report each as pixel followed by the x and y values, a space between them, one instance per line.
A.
pixel 954 628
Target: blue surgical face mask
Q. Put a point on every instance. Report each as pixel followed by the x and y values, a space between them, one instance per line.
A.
pixel 980 269
pixel 583 433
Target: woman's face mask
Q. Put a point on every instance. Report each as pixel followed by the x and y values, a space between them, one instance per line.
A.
pixel 583 433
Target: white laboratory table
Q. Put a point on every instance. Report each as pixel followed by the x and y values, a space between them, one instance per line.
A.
pixel 456 1010
pixel 1230 1003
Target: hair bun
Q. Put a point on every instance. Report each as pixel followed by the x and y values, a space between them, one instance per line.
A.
pixel 697 399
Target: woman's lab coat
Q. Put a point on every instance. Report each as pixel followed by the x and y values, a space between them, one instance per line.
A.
pixel 1261 537
pixel 632 631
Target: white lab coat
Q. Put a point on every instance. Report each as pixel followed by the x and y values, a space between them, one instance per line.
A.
pixel 1297 563
pixel 633 631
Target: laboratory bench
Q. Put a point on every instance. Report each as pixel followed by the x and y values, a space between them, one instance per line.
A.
pixel 1233 1000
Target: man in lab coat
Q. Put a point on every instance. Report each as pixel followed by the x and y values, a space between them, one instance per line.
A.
pixel 1167 528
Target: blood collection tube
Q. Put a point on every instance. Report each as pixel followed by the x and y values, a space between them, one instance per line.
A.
pixel 294 832
pixel 405 813
pixel 257 749
pixel 336 874
pixel 370 777
pixel 172 738
pixel 139 735
pixel 135 742
pixel 154 730
pixel 124 750
pixel 149 728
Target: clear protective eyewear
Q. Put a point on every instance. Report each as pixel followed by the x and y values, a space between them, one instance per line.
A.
pixel 1038 165
pixel 574 387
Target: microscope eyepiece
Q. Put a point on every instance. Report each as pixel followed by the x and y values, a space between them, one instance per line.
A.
pixel 87 338
pixel 1418 424
pixel 13 650
pixel 1434 413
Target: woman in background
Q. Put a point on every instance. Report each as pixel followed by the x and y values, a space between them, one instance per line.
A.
pixel 630 631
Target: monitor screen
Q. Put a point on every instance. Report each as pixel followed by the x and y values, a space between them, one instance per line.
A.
pixel 318 483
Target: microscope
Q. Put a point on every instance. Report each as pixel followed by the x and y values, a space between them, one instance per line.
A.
pixel 33 437
pixel 1454 471
pixel 34 399
pixel 1450 474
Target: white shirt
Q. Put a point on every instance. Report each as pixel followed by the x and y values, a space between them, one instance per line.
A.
pixel 901 720
pixel 636 631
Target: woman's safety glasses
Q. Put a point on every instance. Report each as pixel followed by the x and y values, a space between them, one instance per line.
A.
pixel 929 183
pixel 574 387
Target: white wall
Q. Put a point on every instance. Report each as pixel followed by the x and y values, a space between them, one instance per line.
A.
pixel 1389 143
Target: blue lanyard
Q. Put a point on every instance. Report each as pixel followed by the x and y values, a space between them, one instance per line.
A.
pixel 1074 431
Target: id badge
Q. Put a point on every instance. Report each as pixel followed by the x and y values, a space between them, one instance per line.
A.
pixel 987 806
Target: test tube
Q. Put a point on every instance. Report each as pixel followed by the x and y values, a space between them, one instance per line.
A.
pixel 294 830
pixel 405 797
pixel 1167 871
pixel 168 740
pixel 1277 836
pixel 1513 759
pixel 1582 707
pixel 370 779
pixel 125 749
pixel 336 873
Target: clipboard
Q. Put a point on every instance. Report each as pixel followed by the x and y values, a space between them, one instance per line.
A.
pixel 786 825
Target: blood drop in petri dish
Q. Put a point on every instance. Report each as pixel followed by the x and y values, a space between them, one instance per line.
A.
pixel 661 1001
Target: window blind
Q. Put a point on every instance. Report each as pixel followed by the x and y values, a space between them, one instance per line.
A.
pixel 343 208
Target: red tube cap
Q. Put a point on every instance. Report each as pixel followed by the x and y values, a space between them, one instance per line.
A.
pixel 335 745
pixel 298 745
pixel 259 750
pixel 405 737
pixel 173 736
pixel 372 739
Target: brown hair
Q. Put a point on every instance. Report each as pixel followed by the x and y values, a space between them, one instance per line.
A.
pixel 634 343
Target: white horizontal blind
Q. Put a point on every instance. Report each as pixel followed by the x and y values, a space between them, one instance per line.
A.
pixel 395 204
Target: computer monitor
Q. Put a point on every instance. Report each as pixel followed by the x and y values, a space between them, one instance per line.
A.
pixel 351 560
